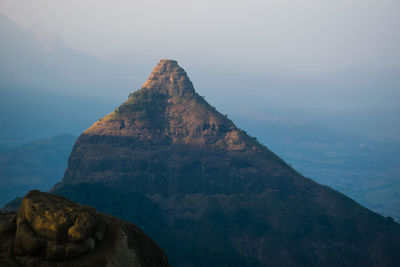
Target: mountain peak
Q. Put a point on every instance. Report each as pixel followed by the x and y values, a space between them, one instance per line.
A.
pixel 168 110
pixel 168 114
pixel 168 61
pixel 169 78
pixel 181 166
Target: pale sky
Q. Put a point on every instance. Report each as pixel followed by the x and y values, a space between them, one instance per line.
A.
pixel 300 38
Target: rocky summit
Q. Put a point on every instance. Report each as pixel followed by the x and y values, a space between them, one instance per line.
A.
pixel 50 230
pixel 210 194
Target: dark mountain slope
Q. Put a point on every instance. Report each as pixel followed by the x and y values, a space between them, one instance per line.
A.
pixel 213 194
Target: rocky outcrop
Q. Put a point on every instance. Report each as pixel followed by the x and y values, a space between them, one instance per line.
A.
pixel 50 230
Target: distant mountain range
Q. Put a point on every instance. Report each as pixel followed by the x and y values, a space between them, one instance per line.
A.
pixel 45 86
pixel 35 59
pixel 37 165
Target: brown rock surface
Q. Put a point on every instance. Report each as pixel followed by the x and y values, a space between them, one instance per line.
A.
pixel 50 230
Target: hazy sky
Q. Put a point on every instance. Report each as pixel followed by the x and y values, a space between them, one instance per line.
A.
pixel 316 39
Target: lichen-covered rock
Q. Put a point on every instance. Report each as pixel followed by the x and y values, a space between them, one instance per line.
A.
pixel 83 227
pixel 57 219
pixel 50 230
pixel 54 227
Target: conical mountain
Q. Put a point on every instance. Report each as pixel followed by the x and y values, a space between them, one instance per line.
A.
pixel 167 139
pixel 211 195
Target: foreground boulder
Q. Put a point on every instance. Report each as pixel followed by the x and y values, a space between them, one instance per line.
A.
pixel 50 230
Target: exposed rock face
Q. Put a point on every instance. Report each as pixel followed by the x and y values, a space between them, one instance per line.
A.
pixel 223 198
pixel 50 230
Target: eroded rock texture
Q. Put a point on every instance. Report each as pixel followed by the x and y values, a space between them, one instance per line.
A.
pixel 50 230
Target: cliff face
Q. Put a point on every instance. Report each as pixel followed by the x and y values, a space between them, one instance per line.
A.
pixel 49 230
pixel 210 194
